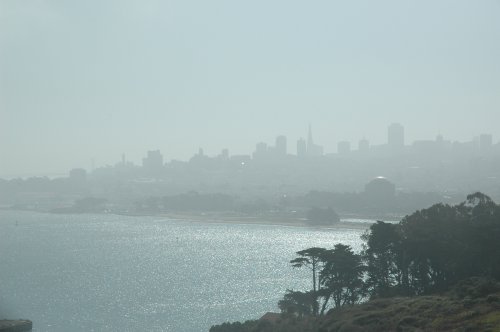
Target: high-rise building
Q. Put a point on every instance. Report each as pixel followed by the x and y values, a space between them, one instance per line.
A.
pixel 261 150
pixel 281 148
pixel 396 135
pixel 310 142
pixel 301 148
pixel 313 150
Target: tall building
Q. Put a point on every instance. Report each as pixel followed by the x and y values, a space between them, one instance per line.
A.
pixel 301 148
pixel 310 142
pixel 313 150
pixel 396 135
pixel 281 148
pixel 261 150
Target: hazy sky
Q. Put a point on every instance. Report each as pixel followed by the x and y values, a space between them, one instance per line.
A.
pixel 95 78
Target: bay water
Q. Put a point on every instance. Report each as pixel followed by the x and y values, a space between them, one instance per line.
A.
pixel 117 273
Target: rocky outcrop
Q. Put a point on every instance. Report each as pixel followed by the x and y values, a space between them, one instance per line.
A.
pixel 19 325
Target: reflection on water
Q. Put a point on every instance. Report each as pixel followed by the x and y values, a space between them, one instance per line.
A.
pixel 115 273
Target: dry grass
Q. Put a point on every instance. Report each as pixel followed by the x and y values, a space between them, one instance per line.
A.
pixel 473 306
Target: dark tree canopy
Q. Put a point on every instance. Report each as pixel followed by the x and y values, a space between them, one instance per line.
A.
pixel 429 251
pixel 342 275
pixel 318 215
pixel 434 248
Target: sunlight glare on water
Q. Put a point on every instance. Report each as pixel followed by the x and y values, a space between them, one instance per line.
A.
pixel 116 273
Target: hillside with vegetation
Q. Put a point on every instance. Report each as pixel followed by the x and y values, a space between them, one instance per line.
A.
pixel 435 270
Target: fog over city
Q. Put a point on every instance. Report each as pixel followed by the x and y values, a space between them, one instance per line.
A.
pixel 82 83
pixel 249 166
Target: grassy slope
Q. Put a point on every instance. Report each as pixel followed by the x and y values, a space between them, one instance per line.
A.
pixel 426 313
pixel 471 306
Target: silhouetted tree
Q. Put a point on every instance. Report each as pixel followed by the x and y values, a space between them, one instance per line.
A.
pixel 318 215
pixel 299 303
pixel 311 258
pixel 384 259
pixel 342 276
pixel 434 248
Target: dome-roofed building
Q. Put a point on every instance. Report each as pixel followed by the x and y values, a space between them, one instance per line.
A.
pixel 380 189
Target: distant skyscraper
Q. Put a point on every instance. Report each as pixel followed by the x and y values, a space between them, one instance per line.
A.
pixel 313 150
pixel 344 147
pixel 396 135
pixel 281 145
pixel 301 148
pixel 363 145
pixel 261 150
pixel 310 142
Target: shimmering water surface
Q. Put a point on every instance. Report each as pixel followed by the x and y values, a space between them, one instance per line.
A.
pixel 115 273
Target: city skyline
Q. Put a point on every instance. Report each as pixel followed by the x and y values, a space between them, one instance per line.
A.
pixel 178 75
pixel 283 145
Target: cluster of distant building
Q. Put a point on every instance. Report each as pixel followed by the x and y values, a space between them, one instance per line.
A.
pixel 388 173
pixel 308 148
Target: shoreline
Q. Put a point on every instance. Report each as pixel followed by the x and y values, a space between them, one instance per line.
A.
pixel 346 221
pixel 257 220
pixel 18 325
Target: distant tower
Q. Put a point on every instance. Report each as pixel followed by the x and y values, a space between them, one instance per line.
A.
pixel 344 147
pixel 396 135
pixel 363 145
pixel 310 143
pixel 301 148
pixel 281 145
pixel 313 150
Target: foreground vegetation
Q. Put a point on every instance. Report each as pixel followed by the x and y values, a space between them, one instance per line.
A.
pixel 404 275
pixel 472 305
